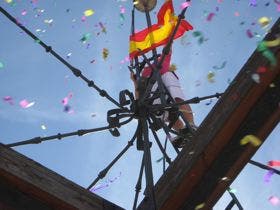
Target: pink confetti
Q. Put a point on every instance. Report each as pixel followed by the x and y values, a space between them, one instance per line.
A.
pixel 8 99
pixel 24 12
pixel 249 33
pixel 210 16
pixel 236 14
pixel 122 9
pixel 219 1
pixel 66 99
pixel 83 19
pixel 26 104
pixel 274 200
pixel 274 163
pixel 185 4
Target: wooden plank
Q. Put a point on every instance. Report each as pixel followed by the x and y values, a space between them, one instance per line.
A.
pixel 45 185
pixel 216 132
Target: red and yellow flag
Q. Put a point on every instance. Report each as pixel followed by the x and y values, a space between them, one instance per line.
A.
pixel 158 33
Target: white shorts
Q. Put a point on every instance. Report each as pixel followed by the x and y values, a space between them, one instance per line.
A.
pixel 172 84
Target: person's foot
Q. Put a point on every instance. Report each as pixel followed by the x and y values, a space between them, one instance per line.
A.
pixel 180 141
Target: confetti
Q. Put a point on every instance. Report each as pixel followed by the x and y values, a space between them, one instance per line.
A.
pixel 210 16
pixel 24 12
pixel 1 65
pixel 274 163
pixel 264 21
pixel 231 190
pixel 249 33
pixel 103 29
pixel 8 99
pixel 200 206
pixel 106 184
pixel 66 99
pixel 68 55
pixel 210 76
pixel 255 141
pixel 273 43
pixel 105 53
pixel 88 12
pixel 236 14
pixel 261 69
pixel 268 176
pixel 199 35
pixel 173 67
pixel 122 9
pixel 220 67
pixel 274 200
pixel 185 5
pixel 26 104
pixel 253 3
pixel 43 127
pixel 68 109
pixel 256 78
pixel 267 53
pixel 85 37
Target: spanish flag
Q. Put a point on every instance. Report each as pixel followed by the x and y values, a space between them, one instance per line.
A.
pixel 158 34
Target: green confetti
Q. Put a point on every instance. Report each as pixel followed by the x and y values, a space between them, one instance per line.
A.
pixel 1 65
pixel 267 53
pixel 85 37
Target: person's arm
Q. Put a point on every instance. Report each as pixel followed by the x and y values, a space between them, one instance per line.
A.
pixel 133 78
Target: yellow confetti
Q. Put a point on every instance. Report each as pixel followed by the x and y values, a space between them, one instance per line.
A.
pixel 210 76
pixel 9 1
pixel 200 206
pixel 173 67
pixel 255 141
pixel 272 43
pixel 88 12
pixel 264 21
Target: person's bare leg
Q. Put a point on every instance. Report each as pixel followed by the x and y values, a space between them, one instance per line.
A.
pixel 186 110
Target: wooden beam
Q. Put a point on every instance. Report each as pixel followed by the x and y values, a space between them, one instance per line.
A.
pixel 43 186
pixel 246 108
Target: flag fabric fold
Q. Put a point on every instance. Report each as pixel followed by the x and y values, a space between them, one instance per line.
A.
pixel 158 34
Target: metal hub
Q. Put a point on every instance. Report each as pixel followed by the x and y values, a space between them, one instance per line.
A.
pixel 145 5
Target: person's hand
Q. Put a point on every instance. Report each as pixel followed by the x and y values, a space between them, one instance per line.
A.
pixel 133 77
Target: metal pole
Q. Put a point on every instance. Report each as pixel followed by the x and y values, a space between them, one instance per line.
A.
pixel 148 166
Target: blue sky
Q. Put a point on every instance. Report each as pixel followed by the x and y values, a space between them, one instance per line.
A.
pixel 30 73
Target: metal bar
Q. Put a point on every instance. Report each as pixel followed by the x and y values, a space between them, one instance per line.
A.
pixel 103 173
pixel 59 136
pixel 138 184
pixel 262 166
pixel 230 205
pixel 163 161
pixel 236 201
pixel 159 144
pixel 190 101
pixel 148 166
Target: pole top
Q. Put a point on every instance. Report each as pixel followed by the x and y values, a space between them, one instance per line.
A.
pixel 145 5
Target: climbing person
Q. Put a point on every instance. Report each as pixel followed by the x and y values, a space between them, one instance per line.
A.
pixel 172 83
